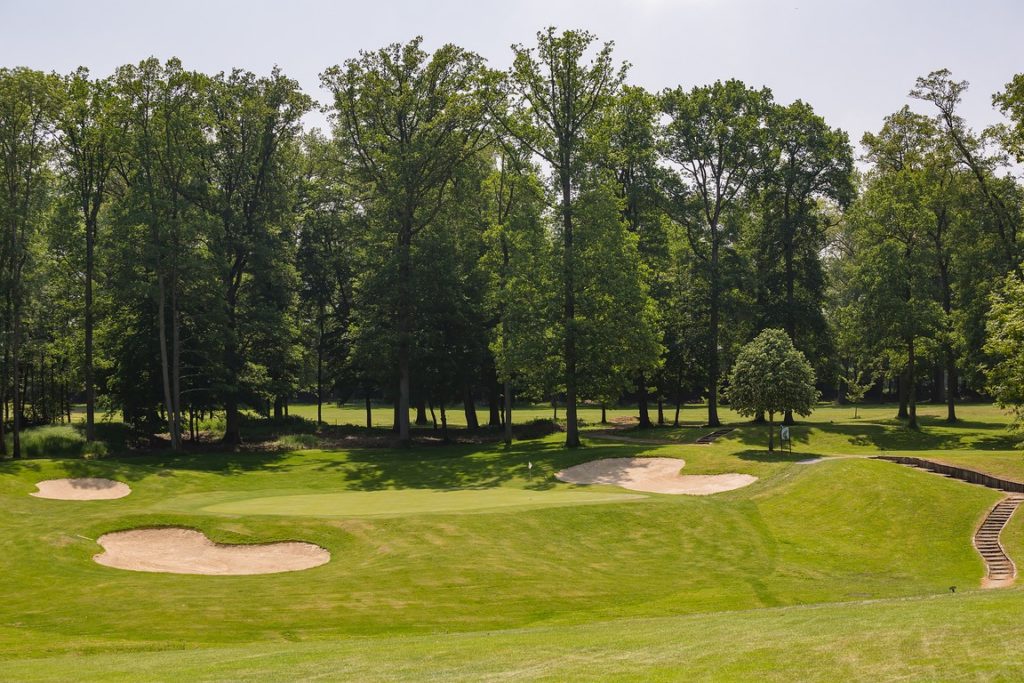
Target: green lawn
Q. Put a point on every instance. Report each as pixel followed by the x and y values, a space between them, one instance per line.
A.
pixel 459 562
pixel 383 415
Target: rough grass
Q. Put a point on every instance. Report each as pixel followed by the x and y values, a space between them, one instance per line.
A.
pixel 57 441
pixel 840 569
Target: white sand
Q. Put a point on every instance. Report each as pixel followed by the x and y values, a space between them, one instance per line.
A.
pixel 185 551
pixel 81 489
pixel 653 475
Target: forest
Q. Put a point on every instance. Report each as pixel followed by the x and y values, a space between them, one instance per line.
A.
pixel 177 244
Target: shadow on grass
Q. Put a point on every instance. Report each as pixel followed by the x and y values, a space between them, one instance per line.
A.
pixel 773 456
pixel 893 435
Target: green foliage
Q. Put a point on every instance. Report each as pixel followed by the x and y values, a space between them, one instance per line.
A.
pixel 1005 345
pixel 54 441
pixel 856 387
pixel 771 376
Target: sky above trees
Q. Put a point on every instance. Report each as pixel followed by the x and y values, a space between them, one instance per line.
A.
pixel 855 61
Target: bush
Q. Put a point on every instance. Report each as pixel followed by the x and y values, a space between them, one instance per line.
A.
pixel 55 441
pixel 298 442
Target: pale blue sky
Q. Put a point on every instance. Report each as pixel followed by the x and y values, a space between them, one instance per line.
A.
pixel 853 61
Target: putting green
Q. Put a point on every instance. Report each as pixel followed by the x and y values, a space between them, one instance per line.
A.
pixel 409 502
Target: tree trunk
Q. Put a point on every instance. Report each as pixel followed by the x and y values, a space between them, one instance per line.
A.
pixel 396 409
pixel 661 411
pixel 404 330
pixel 951 387
pixel 3 402
pixel 165 370
pixel 947 308
pixel 175 418
pixel 771 430
pixel 901 391
pixel 494 404
pixel 507 398
pixel 444 423
pixel 911 386
pixel 604 415
pixel 421 411
pixel 714 361
pixel 90 377
pixel 320 370
pixel 645 417
pixel 470 408
pixel 572 436
pixel 232 419
pixel 369 410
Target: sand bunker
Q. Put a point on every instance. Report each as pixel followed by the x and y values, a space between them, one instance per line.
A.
pixel 81 489
pixel 185 551
pixel 654 475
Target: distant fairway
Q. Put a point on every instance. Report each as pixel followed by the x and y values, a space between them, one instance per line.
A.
pixel 410 502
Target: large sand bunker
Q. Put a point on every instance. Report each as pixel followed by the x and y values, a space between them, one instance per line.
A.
pixel 654 475
pixel 185 551
pixel 81 489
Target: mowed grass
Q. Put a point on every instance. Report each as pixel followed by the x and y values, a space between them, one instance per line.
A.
pixel 840 569
pixel 405 502
pixel 948 637
pixel 979 440
pixel 383 415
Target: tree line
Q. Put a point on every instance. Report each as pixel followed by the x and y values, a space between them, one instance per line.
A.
pixel 177 243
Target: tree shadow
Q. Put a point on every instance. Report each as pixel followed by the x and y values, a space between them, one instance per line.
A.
pixel 773 456
pixel 531 464
pixel 893 435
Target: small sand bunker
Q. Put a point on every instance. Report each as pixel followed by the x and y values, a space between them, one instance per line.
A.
pixel 81 489
pixel 654 475
pixel 185 551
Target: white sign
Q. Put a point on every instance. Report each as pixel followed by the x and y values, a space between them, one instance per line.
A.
pixel 784 433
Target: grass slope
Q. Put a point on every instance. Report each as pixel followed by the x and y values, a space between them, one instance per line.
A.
pixel 820 569
pixel 950 637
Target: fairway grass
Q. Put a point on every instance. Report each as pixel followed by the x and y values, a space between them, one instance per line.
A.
pixel 408 502
pixel 946 637
pixel 463 563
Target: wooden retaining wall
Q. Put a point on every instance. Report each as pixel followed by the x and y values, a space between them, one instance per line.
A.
pixel 957 473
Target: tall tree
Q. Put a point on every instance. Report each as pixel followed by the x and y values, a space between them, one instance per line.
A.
pixel 557 96
pixel 715 143
pixel 940 89
pixel 809 163
pixel 633 157
pixel 162 113
pixel 520 268
pixel 898 307
pixel 28 101
pixel 89 137
pixel 247 182
pixel 407 120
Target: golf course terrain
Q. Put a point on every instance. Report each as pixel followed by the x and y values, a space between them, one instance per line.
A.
pixel 474 562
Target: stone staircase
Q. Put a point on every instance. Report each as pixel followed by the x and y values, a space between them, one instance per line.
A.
pixel 709 438
pixel 1001 568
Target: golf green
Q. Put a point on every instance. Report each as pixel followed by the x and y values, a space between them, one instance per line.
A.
pixel 409 501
